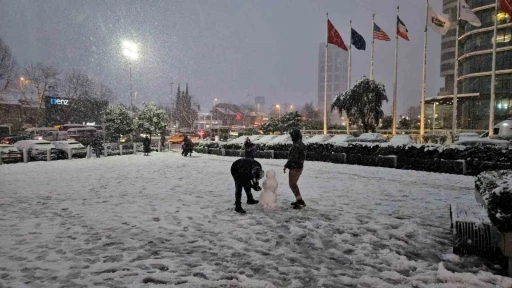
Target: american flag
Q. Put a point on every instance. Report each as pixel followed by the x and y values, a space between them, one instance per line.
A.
pixel 379 34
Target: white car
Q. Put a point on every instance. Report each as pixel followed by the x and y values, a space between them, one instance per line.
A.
pixel 369 137
pixel 265 139
pixel 37 149
pixel 9 153
pixel 401 140
pixel 281 139
pixel 467 136
pixel 318 138
pixel 338 139
pixel 77 149
pixel 483 142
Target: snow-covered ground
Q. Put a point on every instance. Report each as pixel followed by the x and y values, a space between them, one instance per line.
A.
pixel 125 221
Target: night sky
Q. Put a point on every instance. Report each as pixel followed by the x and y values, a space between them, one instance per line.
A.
pixel 232 50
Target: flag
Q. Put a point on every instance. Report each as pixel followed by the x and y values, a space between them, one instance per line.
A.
pixel 506 6
pixel 467 14
pixel 358 40
pixel 437 22
pixel 401 30
pixel 379 34
pixel 333 37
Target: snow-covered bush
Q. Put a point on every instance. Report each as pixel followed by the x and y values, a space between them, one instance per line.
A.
pixel 496 190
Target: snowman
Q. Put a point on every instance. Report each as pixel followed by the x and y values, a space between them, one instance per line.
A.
pixel 268 198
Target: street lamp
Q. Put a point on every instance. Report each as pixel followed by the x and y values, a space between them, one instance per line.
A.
pixel 131 51
pixel 279 108
pixel 21 83
pixel 213 108
pixel 291 108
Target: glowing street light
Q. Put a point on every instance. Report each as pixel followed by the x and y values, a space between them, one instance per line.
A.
pixel 279 108
pixel 131 51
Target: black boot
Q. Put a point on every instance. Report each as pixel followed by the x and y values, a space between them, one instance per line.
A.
pixel 251 201
pixel 238 208
pixel 299 204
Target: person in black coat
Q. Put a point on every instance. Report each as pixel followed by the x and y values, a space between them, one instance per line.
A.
pixel 97 145
pixel 295 163
pixel 146 143
pixel 250 148
pixel 246 172
pixel 187 146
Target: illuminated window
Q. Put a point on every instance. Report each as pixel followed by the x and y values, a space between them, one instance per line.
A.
pixel 503 17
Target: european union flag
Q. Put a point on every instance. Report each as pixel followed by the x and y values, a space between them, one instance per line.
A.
pixel 358 40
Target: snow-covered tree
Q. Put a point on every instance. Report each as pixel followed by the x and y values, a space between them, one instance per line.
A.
pixel 119 120
pixel 152 119
pixel 362 103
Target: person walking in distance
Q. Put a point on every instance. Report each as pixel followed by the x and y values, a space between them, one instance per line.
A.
pixel 295 164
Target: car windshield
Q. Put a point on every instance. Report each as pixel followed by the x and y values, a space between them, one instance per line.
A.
pixel 42 143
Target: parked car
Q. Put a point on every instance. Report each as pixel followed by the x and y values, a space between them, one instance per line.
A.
pixel 402 139
pixel 338 139
pixel 11 139
pixel 9 153
pixel 484 142
pixel 318 138
pixel 466 136
pixel 77 149
pixel 369 137
pixel 281 139
pixel 37 149
pixel 265 139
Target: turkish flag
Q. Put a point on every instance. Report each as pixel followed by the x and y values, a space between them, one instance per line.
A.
pixel 333 37
pixel 506 6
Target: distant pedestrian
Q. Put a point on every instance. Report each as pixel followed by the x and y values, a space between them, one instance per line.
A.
pixel 146 143
pixel 297 155
pixel 162 142
pixel 97 145
pixel 250 148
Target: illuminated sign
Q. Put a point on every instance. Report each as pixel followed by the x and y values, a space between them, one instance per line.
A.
pixel 56 101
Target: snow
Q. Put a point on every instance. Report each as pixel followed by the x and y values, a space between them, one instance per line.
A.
pixel 123 221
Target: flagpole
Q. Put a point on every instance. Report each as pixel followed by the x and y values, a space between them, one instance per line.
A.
pixel 350 56
pixel 493 75
pixel 325 75
pixel 393 129
pixel 371 53
pixel 455 72
pixel 422 105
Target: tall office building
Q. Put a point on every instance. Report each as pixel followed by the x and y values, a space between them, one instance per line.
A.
pixel 337 77
pixel 475 66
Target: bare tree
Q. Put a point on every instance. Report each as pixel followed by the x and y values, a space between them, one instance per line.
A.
pixel 41 76
pixel 310 112
pixel 8 66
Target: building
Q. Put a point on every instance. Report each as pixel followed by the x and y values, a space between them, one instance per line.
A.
pixel 19 109
pixel 337 78
pixel 475 66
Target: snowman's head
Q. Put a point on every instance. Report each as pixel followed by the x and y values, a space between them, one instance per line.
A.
pixel 271 173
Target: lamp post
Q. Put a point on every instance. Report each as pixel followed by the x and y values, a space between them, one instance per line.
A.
pixel 213 108
pixel 131 51
pixel 291 108
pixel 21 83
pixel 279 108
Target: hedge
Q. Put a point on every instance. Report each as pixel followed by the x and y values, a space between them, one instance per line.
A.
pixel 426 157
pixel 496 190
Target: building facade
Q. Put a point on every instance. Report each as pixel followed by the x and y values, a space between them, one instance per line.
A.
pixel 475 66
pixel 337 77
